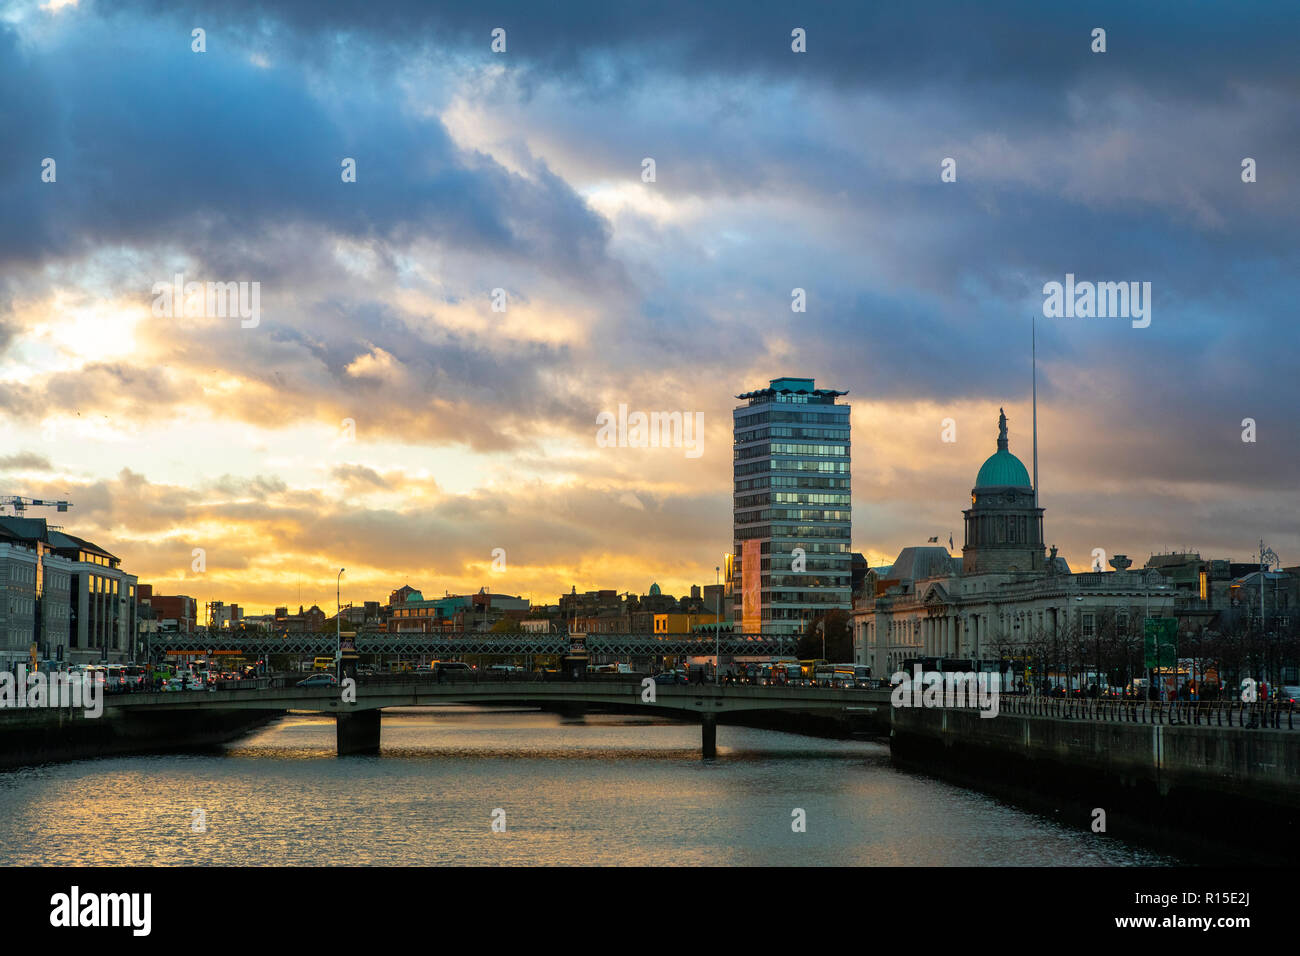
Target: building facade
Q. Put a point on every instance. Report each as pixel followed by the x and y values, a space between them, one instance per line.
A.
pixel 65 599
pixel 792 506
pixel 1004 600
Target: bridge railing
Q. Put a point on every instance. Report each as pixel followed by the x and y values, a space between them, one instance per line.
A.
pixel 480 676
pixel 1207 713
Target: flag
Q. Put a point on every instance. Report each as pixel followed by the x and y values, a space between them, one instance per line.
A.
pixel 934 540
pixel 950 544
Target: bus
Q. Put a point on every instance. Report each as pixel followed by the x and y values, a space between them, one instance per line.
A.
pixel 809 669
pixel 323 664
pixel 845 675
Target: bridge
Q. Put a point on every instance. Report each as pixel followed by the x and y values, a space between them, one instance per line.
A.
pixel 471 642
pixel 357 716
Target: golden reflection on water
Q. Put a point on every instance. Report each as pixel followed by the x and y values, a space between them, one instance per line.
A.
pixel 600 789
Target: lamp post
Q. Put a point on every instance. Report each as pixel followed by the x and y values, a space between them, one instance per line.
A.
pixel 338 624
pixel 717 630
pixel 1267 556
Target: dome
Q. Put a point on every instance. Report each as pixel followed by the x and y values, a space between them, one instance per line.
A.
pixel 1002 468
pixel 654 588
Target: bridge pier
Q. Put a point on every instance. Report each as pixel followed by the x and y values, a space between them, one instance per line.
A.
pixel 709 733
pixel 357 732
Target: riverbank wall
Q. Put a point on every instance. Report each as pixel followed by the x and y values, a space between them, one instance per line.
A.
pixel 1228 794
pixel 39 735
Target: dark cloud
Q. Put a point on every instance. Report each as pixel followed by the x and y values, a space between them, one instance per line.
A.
pixel 153 141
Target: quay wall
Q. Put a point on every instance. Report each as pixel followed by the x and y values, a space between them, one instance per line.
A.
pixel 1234 792
pixel 45 735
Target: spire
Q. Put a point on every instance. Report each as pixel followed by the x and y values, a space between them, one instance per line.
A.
pixel 1002 430
pixel 1033 351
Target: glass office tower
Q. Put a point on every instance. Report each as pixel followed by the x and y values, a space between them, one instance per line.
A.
pixel 791 510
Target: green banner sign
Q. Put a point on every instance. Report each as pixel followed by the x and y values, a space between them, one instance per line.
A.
pixel 1160 641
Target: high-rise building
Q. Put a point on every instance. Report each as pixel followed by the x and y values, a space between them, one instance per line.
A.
pixel 792 506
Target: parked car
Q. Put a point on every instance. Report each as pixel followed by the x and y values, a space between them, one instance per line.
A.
pixel 319 680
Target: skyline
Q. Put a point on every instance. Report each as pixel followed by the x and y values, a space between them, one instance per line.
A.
pixel 477 430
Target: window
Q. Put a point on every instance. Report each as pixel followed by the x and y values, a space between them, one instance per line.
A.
pixel 1089 625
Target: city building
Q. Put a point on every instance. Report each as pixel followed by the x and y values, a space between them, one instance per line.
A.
pixel 65 599
pixel 176 613
pixel 309 621
pixel 1004 600
pixel 792 517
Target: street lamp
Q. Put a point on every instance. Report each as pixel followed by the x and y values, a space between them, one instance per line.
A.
pixel 338 624
pixel 717 630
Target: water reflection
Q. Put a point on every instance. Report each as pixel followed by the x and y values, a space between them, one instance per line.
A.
pixel 600 790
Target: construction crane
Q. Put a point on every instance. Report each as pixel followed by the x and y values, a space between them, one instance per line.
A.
pixel 21 504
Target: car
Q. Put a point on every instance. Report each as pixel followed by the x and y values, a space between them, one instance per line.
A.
pixel 183 683
pixel 1290 695
pixel 670 677
pixel 319 680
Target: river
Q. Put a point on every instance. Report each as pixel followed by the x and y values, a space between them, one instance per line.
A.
pixel 602 789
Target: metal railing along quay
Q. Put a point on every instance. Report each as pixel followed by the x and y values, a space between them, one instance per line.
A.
pixel 1204 713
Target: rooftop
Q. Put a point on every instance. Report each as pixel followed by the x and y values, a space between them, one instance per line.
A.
pixel 792 386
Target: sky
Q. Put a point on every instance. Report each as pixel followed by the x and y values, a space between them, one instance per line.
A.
pixel 382 416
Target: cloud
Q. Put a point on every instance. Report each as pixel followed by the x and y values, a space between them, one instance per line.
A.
pixel 474 429
pixel 25 461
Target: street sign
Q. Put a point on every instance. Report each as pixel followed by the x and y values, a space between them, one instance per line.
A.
pixel 1160 642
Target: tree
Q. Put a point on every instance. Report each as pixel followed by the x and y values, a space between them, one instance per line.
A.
pixel 507 625
pixel 839 638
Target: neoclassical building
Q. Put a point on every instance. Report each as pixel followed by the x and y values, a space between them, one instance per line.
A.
pixel 1004 595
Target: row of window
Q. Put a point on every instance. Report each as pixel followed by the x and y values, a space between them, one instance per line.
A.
pixel 765 449
pixel 810 498
pixel 789 431
pixel 783 415
pixel 792 481
pixel 997 529
pixel 836 562
pixel 828 467
pixel 792 514
pixel 809 531
pixel 785 547
pixel 796 448
pixel 811 581
pixel 18 573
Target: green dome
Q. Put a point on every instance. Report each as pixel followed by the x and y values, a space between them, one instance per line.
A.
pixel 1002 468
